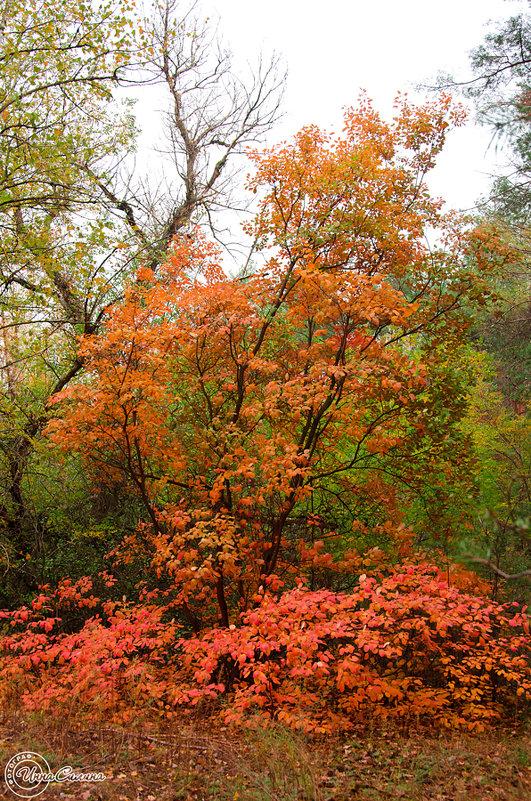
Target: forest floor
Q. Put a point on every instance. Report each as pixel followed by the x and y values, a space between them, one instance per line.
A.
pixel 200 763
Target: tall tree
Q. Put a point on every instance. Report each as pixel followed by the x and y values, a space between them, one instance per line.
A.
pixel 500 88
pixel 76 212
pixel 245 412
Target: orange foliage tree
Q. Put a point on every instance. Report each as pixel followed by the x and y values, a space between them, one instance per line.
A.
pixel 245 411
pixel 259 419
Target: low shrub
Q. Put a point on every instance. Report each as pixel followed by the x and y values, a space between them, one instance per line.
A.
pixel 407 648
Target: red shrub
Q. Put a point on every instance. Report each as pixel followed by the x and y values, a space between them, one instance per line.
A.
pixel 408 648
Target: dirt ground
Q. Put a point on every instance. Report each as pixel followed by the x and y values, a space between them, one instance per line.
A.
pixel 201 763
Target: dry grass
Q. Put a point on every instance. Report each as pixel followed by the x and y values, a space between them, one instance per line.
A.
pixel 190 762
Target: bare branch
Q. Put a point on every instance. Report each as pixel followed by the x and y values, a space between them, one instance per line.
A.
pixel 496 569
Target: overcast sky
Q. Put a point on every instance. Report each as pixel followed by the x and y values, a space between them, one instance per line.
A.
pixel 334 48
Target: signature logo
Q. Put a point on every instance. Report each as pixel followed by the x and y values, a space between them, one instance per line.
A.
pixel 28 774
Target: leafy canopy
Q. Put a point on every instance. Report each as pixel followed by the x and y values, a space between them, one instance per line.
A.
pixel 240 408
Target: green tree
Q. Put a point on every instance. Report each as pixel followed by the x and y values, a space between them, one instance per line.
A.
pixel 500 88
pixel 497 419
pixel 502 444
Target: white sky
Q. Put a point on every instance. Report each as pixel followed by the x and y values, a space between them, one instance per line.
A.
pixel 334 48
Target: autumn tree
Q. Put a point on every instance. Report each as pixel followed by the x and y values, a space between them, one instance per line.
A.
pixel 267 423
pixel 77 213
pixel 308 398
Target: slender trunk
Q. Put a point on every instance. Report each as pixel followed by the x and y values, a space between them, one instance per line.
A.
pixel 222 603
